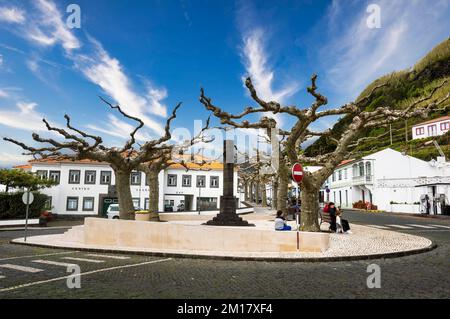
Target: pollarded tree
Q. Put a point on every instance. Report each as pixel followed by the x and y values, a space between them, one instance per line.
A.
pixel 169 155
pixel 361 119
pixel 123 160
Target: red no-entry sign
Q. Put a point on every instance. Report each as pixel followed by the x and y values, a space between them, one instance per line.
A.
pixel 297 172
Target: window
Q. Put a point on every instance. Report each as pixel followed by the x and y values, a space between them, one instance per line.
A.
pixel 432 130
pixel 105 177
pixel 186 181
pixel 48 203
pixel 201 181
pixel 42 174
pixel 345 174
pixel 361 169
pixel 334 176
pixel 88 203
pixel 55 176
pixel 368 168
pixel 136 178
pixel 89 177
pixel 420 131
pixel 340 175
pixel 74 176
pixel 445 126
pixel 136 203
pixel 171 180
pixel 72 203
pixel 214 181
pixel 147 204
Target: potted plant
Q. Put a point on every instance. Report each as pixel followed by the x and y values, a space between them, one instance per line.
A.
pixel 142 215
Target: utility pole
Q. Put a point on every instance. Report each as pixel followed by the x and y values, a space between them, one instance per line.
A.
pixel 390 132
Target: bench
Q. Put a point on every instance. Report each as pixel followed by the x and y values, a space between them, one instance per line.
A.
pixel 324 217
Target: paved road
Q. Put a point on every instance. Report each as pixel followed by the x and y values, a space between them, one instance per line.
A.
pixel 27 272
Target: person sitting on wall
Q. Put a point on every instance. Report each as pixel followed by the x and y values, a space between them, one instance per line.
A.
pixel 280 222
pixel 342 225
pixel 332 210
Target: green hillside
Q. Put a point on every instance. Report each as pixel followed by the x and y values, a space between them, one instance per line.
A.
pixel 403 87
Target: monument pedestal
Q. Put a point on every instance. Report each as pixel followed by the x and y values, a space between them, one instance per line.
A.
pixel 227 215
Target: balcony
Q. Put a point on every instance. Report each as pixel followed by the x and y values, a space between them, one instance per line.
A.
pixel 363 180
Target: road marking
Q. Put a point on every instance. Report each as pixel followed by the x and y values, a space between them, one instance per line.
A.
pixel 108 256
pixel 421 226
pixel 400 226
pixel 21 268
pixel 378 226
pixel 83 274
pixel 441 226
pixel 50 262
pixel 84 259
pixel 52 254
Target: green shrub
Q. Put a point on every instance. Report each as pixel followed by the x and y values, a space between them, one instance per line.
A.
pixel 12 207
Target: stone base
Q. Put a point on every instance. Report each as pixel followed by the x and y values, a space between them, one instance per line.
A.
pixel 227 220
pixel 227 215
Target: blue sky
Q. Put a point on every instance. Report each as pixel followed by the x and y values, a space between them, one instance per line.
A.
pixel 149 55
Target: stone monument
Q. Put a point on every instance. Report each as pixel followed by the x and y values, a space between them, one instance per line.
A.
pixel 227 215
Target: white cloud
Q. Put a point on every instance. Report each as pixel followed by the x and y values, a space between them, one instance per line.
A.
pixel 8 159
pixel 25 117
pixel 108 73
pixel 3 93
pixel 262 75
pixel 356 55
pixel 118 128
pixel 51 28
pixel 1 60
pixel 12 15
pixel 255 61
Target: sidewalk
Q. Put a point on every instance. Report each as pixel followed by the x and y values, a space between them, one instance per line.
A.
pixel 445 217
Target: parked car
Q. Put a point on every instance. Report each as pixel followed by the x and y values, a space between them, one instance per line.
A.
pixel 113 211
pixel 168 208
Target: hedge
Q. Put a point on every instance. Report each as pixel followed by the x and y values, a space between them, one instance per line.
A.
pixel 12 207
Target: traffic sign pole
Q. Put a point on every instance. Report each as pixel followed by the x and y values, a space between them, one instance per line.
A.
pixel 26 214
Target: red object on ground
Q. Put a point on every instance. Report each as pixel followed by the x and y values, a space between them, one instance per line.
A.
pixel 297 173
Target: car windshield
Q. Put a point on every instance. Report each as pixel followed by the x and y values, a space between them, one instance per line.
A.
pixel 113 208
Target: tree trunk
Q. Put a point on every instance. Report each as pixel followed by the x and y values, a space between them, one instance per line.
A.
pixel 123 189
pixel 310 206
pixel 257 193
pixel 153 188
pixel 246 186
pixel 264 195
pixel 275 193
pixel 283 172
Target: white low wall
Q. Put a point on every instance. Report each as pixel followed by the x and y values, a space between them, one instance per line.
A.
pixel 172 236
pixel 405 208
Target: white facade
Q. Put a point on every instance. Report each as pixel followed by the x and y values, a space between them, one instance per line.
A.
pixel 390 180
pixel 88 188
pixel 435 127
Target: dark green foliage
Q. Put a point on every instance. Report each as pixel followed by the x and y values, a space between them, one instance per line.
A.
pixel 15 178
pixel 12 207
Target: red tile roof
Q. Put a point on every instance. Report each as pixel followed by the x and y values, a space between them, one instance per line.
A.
pixel 439 119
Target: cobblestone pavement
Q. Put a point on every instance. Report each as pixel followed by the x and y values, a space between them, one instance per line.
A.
pixel 417 276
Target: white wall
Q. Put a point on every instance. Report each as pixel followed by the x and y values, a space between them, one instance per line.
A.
pixel 396 178
pixel 61 192
pixel 428 131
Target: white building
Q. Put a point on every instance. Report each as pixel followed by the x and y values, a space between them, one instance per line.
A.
pixel 435 127
pixel 390 180
pixel 87 187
